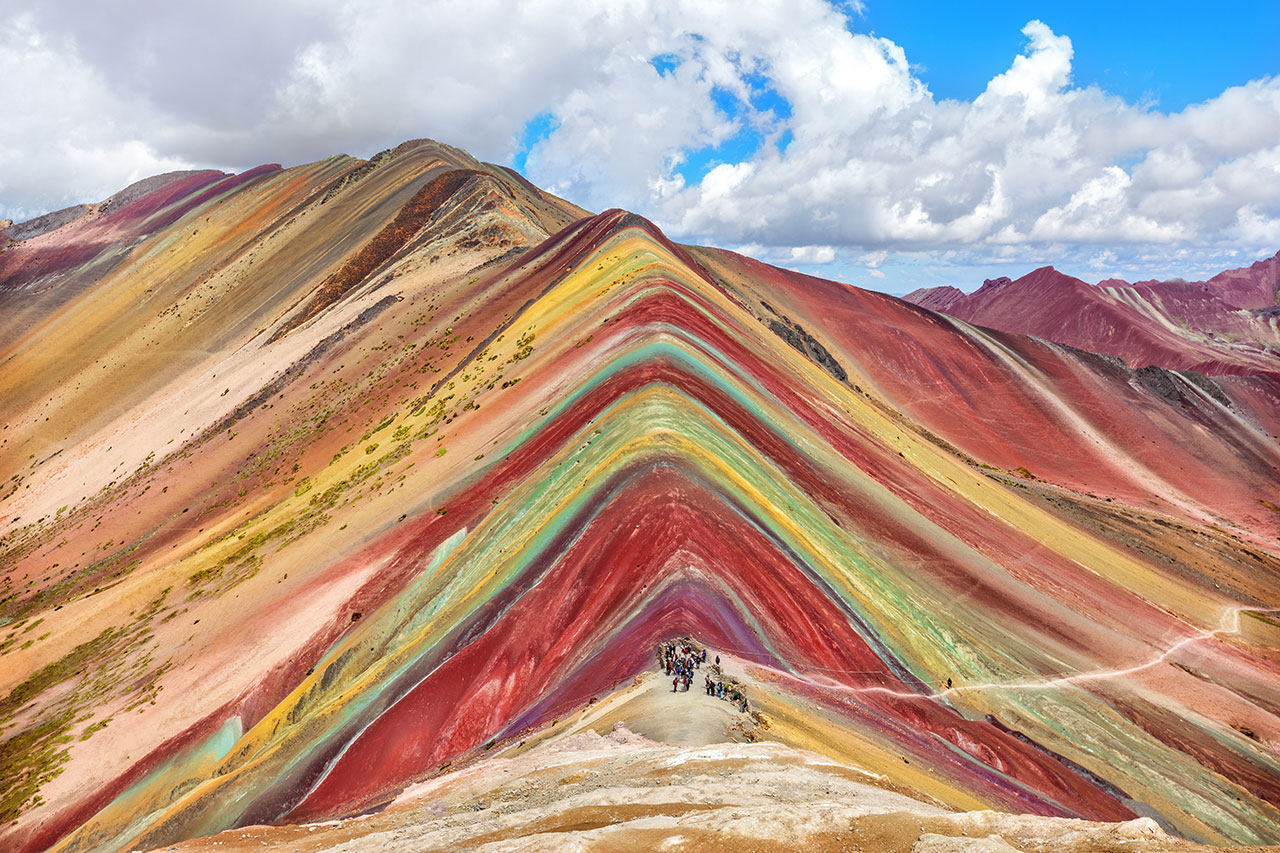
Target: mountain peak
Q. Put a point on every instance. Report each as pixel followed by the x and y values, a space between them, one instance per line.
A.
pixel 334 488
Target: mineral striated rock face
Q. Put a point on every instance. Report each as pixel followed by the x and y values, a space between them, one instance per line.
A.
pixel 320 482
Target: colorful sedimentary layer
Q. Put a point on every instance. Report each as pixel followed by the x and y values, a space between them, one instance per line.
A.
pixel 337 476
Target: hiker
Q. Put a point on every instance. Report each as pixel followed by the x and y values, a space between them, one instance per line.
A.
pixel 948 683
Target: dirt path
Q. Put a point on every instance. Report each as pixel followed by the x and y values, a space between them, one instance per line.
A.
pixel 680 719
pixel 649 708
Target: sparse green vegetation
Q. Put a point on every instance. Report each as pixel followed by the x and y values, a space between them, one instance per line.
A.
pixel 112 667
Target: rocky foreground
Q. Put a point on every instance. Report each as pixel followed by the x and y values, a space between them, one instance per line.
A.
pixel 620 791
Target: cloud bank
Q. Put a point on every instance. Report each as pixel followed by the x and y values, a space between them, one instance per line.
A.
pixel 774 126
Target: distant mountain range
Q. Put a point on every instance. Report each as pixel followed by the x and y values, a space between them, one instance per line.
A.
pixel 1226 325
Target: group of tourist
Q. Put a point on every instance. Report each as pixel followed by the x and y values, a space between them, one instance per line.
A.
pixel 730 691
pixel 680 659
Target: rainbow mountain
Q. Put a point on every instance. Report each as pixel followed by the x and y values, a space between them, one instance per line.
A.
pixel 324 482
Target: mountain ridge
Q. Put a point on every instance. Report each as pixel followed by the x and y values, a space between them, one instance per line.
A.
pixel 473 487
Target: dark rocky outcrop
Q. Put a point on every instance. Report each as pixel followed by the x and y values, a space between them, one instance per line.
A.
pixel 806 343
pixel 1164 384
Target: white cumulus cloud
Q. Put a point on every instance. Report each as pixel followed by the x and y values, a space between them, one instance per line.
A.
pixel 774 124
pixel 66 136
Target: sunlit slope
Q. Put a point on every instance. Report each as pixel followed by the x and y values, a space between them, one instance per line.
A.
pixel 1192 446
pixel 419 489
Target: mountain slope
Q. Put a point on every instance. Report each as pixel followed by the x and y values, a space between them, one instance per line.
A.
pixel 348 474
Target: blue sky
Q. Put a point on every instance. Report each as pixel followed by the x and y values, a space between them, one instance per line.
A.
pixel 1169 54
pixel 1174 52
pixel 889 144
